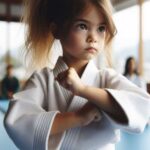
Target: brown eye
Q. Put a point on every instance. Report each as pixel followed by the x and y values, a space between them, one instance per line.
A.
pixel 82 26
pixel 102 29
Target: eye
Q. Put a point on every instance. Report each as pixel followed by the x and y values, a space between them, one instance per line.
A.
pixel 82 26
pixel 102 29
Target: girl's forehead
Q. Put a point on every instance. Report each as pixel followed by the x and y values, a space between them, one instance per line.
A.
pixel 91 12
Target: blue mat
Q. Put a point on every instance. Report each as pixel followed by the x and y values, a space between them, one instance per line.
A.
pixel 4 105
pixel 134 141
pixel 5 141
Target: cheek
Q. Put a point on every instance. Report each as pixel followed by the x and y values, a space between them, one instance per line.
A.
pixel 102 44
pixel 75 40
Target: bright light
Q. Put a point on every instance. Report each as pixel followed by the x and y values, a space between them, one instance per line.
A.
pixel 127 23
pixel 11 36
pixel 16 35
pixel 146 25
pixel 3 37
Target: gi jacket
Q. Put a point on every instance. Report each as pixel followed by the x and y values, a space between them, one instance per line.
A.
pixel 32 111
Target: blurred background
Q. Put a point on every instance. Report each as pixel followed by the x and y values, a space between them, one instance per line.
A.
pixel 133 39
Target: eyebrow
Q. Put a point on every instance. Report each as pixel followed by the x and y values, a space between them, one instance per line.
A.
pixel 86 21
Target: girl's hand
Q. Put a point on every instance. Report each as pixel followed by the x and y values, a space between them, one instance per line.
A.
pixel 70 80
pixel 88 113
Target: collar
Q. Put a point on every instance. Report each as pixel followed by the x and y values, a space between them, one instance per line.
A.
pixel 89 72
pixel 89 77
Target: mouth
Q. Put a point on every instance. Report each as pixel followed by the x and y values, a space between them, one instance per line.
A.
pixel 91 49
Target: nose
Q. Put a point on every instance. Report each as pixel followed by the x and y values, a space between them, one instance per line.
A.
pixel 92 37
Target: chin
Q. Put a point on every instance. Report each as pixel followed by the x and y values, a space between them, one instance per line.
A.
pixel 89 57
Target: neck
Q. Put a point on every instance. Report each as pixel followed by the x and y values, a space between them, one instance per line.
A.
pixel 131 73
pixel 78 65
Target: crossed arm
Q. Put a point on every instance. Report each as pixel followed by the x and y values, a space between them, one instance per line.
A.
pixel 98 99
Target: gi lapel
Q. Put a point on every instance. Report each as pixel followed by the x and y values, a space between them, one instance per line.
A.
pixel 63 94
pixel 89 77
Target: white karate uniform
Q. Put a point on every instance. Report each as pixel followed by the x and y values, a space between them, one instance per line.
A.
pixel 32 111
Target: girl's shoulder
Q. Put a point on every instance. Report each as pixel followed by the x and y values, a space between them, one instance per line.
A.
pixel 44 71
pixel 40 78
pixel 110 74
pixel 42 74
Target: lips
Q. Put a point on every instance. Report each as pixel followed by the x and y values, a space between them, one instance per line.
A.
pixel 91 49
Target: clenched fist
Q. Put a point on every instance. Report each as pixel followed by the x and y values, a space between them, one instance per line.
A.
pixel 70 80
pixel 89 113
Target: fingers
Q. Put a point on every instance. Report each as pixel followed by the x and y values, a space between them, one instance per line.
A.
pixel 61 76
pixel 89 106
pixel 64 75
pixel 65 78
pixel 94 111
pixel 98 116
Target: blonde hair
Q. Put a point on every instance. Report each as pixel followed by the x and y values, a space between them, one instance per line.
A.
pixel 40 14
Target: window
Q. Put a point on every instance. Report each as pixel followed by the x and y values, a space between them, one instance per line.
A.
pixel 146 39
pixel 12 44
pixel 127 38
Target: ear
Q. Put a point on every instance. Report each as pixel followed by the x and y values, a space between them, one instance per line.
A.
pixel 55 31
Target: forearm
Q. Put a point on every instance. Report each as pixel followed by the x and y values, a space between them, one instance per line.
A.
pixel 64 121
pixel 104 101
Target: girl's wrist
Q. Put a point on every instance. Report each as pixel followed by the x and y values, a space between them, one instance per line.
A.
pixel 82 90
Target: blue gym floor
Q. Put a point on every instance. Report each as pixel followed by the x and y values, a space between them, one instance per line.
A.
pixel 128 141
pixel 5 141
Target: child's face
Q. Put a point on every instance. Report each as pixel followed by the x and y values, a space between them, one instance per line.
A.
pixel 86 36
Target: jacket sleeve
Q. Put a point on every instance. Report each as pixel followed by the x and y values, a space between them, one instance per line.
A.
pixel 142 83
pixel 26 121
pixel 134 101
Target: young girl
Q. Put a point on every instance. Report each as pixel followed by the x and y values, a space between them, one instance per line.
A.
pixel 75 106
